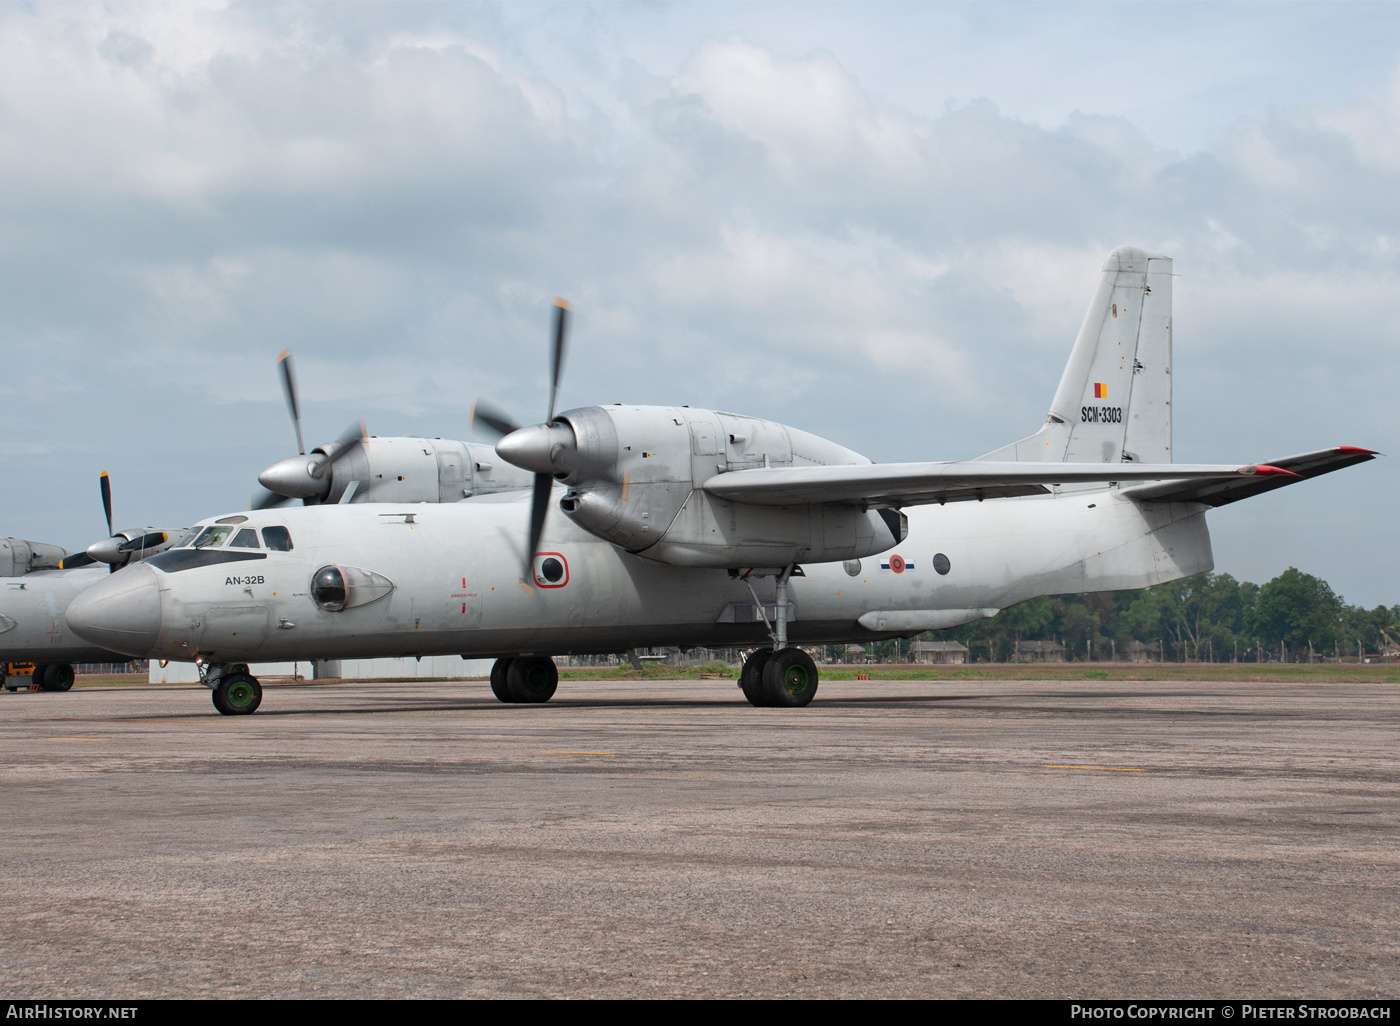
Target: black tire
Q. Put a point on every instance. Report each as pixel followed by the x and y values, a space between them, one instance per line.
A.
pixel 532 679
pixel 40 677
pixel 237 694
pixel 499 687
pixel 751 677
pixel 790 678
pixel 59 677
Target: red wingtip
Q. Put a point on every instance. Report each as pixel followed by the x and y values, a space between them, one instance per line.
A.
pixel 1353 450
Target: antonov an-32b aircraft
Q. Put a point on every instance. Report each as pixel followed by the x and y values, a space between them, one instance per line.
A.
pixel 674 526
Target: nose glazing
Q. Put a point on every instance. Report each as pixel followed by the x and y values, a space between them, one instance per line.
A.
pixel 121 612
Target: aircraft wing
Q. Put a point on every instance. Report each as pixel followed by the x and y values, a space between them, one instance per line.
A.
pixel 915 484
pixel 1222 491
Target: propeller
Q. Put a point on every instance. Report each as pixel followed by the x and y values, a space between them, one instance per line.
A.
pixel 306 476
pixel 116 550
pixel 492 419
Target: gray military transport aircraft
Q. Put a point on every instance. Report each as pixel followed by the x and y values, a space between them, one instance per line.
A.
pixel 694 527
pixel 37 583
pixel 42 580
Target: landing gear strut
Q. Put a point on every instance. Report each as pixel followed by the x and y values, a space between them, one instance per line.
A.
pixel 781 675
pixel 524 679
pixel 236 692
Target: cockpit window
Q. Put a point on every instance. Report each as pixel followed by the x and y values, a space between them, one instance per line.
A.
pixel 186 538
pixel 278 539
pixel 212 537
pixel 244 539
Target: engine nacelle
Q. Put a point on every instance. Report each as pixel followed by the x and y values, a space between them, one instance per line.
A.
pixel 636 473
pixel 19 557
pixel 393 469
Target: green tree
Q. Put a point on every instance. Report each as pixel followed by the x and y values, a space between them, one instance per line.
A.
pixel 1298 609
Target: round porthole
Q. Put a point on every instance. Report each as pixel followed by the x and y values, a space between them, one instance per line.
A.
pixel 328 589
pixel 941 564
pixel 552 570
pixel 852 567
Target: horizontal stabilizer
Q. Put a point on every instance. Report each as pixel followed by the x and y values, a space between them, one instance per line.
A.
pixel 915 484
pixel 1220 492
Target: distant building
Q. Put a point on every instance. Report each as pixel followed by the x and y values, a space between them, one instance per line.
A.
pixel 1142 652
pixel 947 652
pixel 1040 652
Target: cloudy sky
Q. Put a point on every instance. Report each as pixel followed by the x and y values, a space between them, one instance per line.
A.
pixel 878 223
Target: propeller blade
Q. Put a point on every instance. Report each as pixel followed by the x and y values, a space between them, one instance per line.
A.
pixel 356 432
pixel 106 484
pixel 289 386
pixel 539 506
pixel 556 365
pixel 77 559
pixel 486 417
pixel 267 500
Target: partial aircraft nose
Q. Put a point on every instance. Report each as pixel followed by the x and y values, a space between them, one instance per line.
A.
pixel 121 613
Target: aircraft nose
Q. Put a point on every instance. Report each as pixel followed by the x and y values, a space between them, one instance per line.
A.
pixel 121 613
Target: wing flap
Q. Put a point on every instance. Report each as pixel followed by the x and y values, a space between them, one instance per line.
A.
pixel 915 484
pixel 1224 491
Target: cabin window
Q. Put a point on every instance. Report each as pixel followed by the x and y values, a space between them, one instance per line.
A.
pixel 244 539
pixel 212 537
pixel 278 539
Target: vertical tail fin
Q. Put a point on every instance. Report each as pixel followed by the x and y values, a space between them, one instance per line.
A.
pixel 1114 399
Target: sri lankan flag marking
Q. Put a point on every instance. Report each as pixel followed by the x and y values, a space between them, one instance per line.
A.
pixel 1100 390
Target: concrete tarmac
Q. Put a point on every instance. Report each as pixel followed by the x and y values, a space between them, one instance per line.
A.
pixel 911 839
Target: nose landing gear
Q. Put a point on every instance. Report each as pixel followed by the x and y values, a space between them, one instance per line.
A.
pixel 236 692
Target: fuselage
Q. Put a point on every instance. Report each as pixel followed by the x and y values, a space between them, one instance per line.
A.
pixel 449 581
pixel 33 627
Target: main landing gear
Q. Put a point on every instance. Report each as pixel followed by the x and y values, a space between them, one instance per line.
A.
pixel 779 676
pixel 46 677
pixel 236 692
pixel 524 679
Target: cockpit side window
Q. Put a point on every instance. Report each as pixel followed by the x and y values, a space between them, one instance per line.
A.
pixel 244 539
pixel 278 539
pixel 212 537
pixel 188 537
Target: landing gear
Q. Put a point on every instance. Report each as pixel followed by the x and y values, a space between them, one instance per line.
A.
pixel 781 675
pixel 751 677
pixel 499 688
pixel 790 678
pixel 531 679
pixel 57 677
pixel 237 692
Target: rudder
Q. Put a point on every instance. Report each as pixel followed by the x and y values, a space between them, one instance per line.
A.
pixel 1114 399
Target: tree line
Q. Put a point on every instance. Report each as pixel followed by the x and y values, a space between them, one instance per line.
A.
pixel 1295 617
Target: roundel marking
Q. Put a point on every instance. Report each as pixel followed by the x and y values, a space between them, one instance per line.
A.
pixel 897 564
